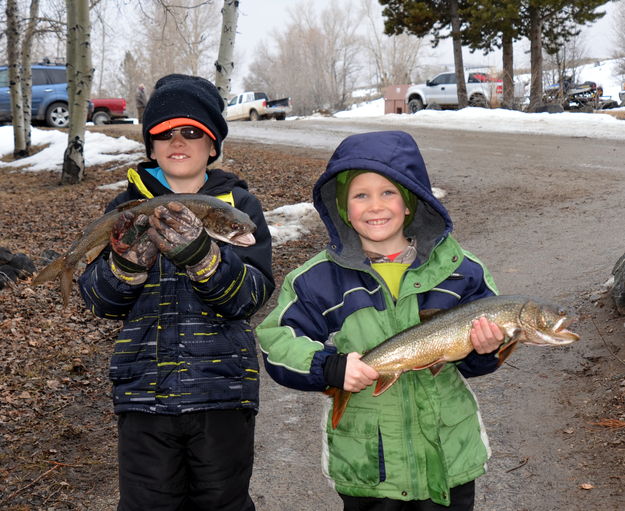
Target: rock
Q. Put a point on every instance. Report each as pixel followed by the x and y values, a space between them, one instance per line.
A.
pixel 49 255
pixel 24 264
pixel 5 255
pixel 14 267
pixel 550 109
pixel 8 274
pixel 618 288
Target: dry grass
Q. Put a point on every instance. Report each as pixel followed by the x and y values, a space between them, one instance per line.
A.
pixel 619 114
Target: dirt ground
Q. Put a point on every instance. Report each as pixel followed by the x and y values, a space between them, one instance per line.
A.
pixel 555 417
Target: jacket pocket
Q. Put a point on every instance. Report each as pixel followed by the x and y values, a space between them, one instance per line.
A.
pixel 354 448
pixel 461 436
pixel 456 400
pixel 124 372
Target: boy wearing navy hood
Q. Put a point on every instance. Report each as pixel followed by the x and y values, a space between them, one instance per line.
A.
pixel 420 445
pixel 184 367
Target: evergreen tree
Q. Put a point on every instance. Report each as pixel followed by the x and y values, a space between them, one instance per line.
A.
pixel 494 24
pixel 548 24
pixel 438 18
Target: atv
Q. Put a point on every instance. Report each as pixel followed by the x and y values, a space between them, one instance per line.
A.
pixel 584 96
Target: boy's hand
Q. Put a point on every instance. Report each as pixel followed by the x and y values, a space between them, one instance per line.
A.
pixel 133 251
pixel 358 375
pixel 179 234
pixel 486 336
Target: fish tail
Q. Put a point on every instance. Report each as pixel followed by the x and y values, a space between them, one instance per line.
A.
pixel 50 272
pixel 341 398
pixel 66 284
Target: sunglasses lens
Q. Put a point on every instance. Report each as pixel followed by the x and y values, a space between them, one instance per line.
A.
pixel 189 132
pixel 163 135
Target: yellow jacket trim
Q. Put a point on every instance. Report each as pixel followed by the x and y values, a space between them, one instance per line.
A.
pixel 135 179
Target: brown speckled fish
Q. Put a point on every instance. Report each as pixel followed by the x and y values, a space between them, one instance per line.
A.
pixel 446 338
pixel 222 222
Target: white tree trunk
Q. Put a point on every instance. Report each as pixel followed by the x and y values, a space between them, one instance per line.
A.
pixel 13 54
pixel 27 74
pixel 79 78
pixel 224 64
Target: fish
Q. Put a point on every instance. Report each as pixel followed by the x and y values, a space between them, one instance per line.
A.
pixel 222 222
pixel 444 336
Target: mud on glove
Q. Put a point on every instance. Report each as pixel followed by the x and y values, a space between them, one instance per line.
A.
pixel 181 237
pixel 133 252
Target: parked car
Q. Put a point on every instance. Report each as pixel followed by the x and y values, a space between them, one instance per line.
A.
pixel 49 96
pixel 621 95
pixel 106 110
pixel 253 106
pixel 482 90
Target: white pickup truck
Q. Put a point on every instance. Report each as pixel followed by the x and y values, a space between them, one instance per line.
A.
pixel 482 90
pixel 253 106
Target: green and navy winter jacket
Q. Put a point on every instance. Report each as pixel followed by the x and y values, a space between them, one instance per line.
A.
pixel 186 346
pixel 424 435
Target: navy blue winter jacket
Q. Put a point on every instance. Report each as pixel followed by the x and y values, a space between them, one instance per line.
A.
pixel 186 346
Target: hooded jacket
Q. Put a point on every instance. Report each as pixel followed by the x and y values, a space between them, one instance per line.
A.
pixel 186 346
pixel 424 435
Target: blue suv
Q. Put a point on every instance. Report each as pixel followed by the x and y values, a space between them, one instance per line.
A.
pixel 49 102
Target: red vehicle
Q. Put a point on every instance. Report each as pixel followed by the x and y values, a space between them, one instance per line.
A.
pixel 106 110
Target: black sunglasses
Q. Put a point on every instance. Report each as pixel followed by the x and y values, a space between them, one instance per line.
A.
pixel 188 132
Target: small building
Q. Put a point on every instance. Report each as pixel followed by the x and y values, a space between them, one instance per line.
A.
pixel 395 99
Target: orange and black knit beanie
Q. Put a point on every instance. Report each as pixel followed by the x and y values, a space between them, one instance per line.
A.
pixel 177 96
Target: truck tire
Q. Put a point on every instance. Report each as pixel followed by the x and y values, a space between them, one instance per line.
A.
pixel 100 117
pixel 479 100
pixel 254 115
pixel 57 115
pixel 414 105
pixel 280 117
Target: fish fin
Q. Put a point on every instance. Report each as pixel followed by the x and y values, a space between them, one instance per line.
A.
pixel 66 284
pixel 50 272
pixel 505 351
pixel 437 367
pixel 130 204
pixel 94 252
pixel 433 366
pixel 341 398
pixel 427 314
pixel 384 382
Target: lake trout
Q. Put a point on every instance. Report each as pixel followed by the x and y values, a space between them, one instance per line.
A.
pixel 221 221
pixel 446 338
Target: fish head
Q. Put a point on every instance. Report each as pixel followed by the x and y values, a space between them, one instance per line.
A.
pixel 230 226
pixel 545 324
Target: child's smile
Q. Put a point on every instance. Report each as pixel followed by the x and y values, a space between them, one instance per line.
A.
pixel 183 160
pixel 377 212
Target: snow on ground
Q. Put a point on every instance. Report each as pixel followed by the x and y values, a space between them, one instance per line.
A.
pixel 604 74
pixel 99 149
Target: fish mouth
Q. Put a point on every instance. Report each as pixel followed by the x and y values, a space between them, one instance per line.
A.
pixel 559 335
pixel 562 332
pixel 245 239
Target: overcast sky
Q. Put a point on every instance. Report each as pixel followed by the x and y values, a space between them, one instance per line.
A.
pixel 258 18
